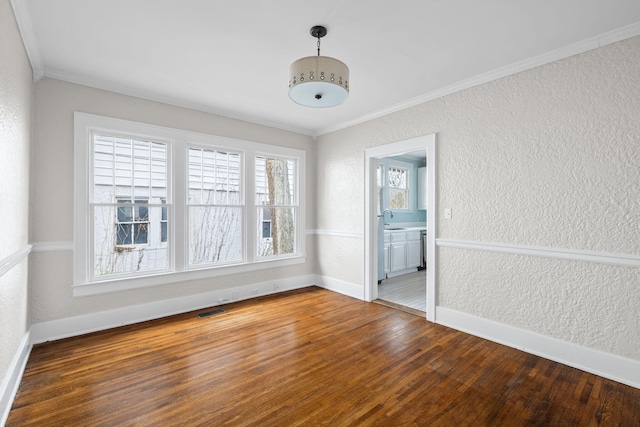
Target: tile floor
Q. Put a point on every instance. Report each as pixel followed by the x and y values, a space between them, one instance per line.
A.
pixel 409 290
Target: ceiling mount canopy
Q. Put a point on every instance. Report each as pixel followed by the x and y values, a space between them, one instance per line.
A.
pixel 318 81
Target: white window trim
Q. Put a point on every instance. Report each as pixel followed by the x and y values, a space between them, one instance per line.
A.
pixel 178 142
pixel 409 167
pixel 297 195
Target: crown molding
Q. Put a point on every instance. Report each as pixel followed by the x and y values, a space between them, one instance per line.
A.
pixel 152 96
pixel 23 18
pixel 527 64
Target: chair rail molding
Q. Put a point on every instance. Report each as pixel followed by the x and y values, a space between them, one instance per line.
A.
pixel 52 246
pixel 337 233
pixel 625 260
pixel 14 259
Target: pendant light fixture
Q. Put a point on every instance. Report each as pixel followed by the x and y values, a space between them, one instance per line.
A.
pixel 318 81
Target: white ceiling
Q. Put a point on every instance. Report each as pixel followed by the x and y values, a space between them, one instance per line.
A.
pixel 232 57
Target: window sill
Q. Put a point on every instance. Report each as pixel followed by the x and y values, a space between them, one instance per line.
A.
pixel 128 283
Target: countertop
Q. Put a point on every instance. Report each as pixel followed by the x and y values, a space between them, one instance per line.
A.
pixel 392 228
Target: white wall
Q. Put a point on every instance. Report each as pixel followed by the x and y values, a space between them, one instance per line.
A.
pixel 548 158
pixel 15 123
pixel 52 220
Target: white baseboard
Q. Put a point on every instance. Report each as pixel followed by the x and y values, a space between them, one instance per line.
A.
pixel 78 325
pixel 10 384
pixel 401 273
pixel 607 365
pixel 341 287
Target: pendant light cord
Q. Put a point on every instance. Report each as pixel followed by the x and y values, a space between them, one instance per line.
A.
pixel 318 45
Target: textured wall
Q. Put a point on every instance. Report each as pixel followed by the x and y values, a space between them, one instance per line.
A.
pixel 548 157
pixel 15 115
pixel 594 305
pixel 52 189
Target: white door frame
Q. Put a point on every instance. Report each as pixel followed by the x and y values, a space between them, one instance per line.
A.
pixel 428 143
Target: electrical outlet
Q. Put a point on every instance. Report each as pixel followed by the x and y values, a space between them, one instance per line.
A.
pixel 447 213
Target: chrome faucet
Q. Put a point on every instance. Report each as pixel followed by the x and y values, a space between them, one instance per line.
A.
pixel 384 212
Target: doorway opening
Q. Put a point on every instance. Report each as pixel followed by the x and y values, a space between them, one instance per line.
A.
pixel 398 244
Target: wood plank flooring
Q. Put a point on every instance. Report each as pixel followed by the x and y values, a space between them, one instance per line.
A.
pixel 306 358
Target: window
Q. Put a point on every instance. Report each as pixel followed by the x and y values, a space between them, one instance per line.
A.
pixel 129 178
pixel 398 183
pixel 266 223
pixel 163 222
pixel 155 205
pixel 276 206
pixel 394 180
pixel 216 207
pixel 132 223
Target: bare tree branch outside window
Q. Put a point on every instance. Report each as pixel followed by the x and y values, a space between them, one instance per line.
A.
pixel 130 203
pixel 129 178
pixel 215 207
pixel 275 191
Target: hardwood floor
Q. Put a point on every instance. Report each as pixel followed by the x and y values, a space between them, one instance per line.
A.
pixel 409 290
pixel 308 357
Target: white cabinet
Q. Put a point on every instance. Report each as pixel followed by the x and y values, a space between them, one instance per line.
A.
pixel 398 257
pixel 413 254
pixel 387 252
pixel 402 252
pixel 422 188
pixel 413 249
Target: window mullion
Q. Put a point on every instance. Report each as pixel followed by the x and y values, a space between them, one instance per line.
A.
pixel 202 176
pixel 250 208
pixel 101 179
pixel 113 173
pixel 228 192
pixel 132 162
pixel 150 198
pixel 178 209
